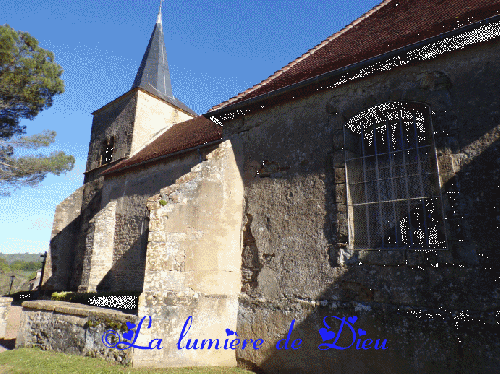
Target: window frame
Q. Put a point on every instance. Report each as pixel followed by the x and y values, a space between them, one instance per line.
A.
pixel 430 179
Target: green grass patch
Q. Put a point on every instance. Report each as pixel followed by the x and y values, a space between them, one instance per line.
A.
pixel 36 361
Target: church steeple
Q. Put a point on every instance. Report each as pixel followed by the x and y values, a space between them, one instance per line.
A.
pixel 153 74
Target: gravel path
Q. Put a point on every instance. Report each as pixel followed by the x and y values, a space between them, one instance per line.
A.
pixel 13 319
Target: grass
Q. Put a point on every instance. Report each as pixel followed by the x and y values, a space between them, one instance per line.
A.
pixel 36 361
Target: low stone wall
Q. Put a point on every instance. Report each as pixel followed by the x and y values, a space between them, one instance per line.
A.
pixel 72 328
pixel 4 311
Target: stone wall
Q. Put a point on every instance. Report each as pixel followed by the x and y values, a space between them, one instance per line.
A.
pixel 102 245
pixel 91 204
pixel 435 308
pixel 5 303
pixel 66 226
pixel 115 119
pixel 72 328
pixel 153 115
pixel 132 120
pixel 193 262
pixel 129 191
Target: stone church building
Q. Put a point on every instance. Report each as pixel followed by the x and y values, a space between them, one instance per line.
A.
pixel 362 179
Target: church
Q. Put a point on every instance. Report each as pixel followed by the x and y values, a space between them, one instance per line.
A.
pixel 361 181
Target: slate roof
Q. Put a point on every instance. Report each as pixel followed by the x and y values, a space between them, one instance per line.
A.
pixel 390 25
pixel 179 137
pixel 153 74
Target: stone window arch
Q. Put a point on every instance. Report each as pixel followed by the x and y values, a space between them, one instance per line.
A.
pixel 393 193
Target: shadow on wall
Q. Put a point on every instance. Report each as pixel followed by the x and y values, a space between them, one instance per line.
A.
pixel 116 279
pixel 437 310
pixel 68 247
pixel 129 262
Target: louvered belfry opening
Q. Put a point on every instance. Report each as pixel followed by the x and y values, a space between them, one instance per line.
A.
pixel 392 179
pixel 107 153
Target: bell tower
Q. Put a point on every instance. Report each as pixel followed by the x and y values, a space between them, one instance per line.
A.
pixel 119 130
pixel 128 123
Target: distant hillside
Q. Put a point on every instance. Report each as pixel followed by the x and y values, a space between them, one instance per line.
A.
pixel 24 257
pixel 23 266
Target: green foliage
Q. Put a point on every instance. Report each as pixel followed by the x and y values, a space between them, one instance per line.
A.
pixel 26 257
pixel 62 296
pixel 29 79
pixel 108 323
pixel 25 266
pixel 32 275
pixel 4 266
pixel 162 202
pixel 30 170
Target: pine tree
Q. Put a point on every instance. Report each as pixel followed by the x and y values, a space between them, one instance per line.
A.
pixel 29 79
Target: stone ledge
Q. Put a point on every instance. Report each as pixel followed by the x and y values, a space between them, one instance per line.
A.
pixel 65 307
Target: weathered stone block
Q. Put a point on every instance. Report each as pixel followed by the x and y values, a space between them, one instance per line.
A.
pixel 342 230
pixel 5 303
pixel 338 158
pixel 339 175
pixel 415 258
pixel 347 256
pixel 445 164
pixel 340 193
pixel 382 257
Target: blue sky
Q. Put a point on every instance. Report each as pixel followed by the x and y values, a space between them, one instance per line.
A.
pixel 216 49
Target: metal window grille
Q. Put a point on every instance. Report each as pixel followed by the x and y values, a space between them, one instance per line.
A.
pixel 393 193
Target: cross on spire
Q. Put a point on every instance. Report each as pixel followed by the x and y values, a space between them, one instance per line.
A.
pixel 158 20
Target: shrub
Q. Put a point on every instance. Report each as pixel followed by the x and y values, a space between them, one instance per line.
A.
pixel 62 296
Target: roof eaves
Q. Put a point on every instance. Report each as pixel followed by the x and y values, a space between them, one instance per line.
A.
pixel 301 58
pixel 237 107
pixel 171 100
pixel 134 165
pixel 115 100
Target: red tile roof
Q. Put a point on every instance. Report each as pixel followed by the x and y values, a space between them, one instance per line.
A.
pixel 181 136
pixel 390 25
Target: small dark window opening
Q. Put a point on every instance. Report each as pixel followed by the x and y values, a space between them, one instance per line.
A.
pixel 108 148
pixel 394 199
pixel 145 234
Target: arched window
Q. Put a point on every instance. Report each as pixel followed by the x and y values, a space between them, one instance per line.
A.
pixel 392 179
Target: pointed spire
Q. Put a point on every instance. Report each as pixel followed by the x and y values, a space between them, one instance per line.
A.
pixel 158 20
pixel 153 74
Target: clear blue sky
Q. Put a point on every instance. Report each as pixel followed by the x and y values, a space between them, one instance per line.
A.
pixel 216 49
